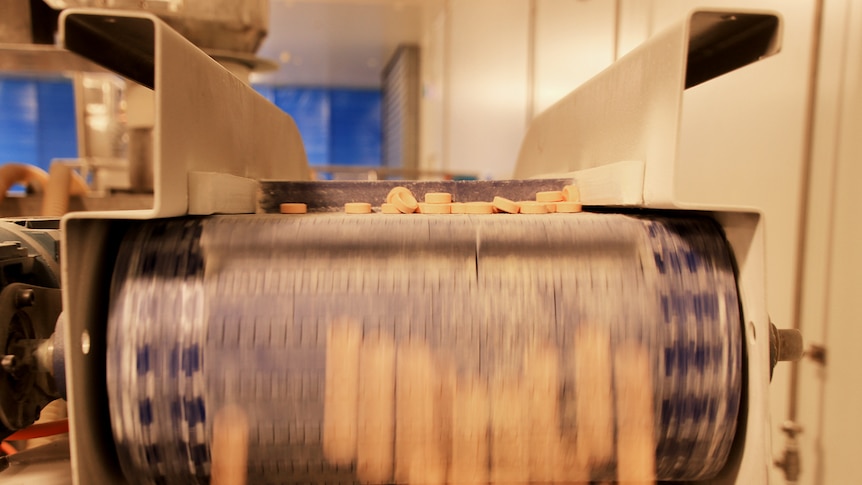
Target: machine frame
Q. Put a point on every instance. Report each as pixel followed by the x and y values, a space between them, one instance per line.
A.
pixel 215 138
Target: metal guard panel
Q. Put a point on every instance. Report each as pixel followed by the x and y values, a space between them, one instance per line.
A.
pixel 631 111
pixel 206 120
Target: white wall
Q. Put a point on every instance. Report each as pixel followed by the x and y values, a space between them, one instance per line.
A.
pixel 831 396
pixel 572 42
pixel 486 89
pixel 432 59
pixel 489 66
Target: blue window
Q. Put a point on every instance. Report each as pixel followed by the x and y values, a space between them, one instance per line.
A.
pixel 338 125
pixel 37 120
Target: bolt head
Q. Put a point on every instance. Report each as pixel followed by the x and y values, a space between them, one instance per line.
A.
pixel 9 363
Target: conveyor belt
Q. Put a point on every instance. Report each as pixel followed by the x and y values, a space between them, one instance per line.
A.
pixel 379 348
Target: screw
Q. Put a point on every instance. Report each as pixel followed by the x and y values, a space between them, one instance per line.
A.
pixel 790 462
pixel 817 353
pixel 791 429
pixel 9 363
pixel 25 297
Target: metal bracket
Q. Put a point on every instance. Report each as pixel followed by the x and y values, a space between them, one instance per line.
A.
pixel 206 120
pixel 624 124
pixel 785 344
pixel 25 386
pixel 790 461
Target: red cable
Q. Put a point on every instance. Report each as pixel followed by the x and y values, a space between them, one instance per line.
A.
pixel 40 430
pixel 8 448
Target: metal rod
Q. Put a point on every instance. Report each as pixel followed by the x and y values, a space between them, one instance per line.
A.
pixel 805 195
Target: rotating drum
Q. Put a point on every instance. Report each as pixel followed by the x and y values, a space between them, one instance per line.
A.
pixel 426 348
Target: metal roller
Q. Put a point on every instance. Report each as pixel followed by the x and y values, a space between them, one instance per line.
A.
pixel 380 349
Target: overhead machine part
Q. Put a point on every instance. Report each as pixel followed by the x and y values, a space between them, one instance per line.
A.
pixel 230 31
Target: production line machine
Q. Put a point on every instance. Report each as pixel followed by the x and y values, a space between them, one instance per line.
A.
pixel 214 339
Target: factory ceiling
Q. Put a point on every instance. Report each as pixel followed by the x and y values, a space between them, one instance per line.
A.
pixel 343 43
